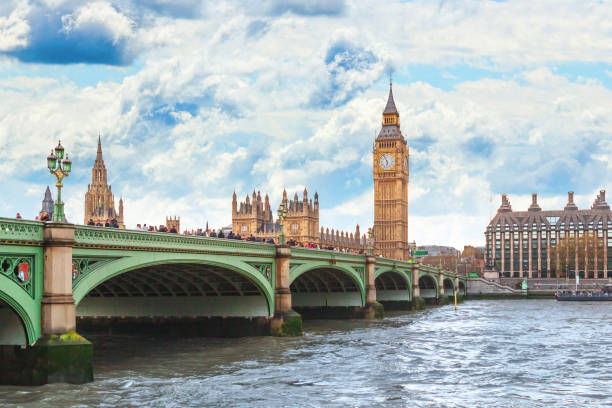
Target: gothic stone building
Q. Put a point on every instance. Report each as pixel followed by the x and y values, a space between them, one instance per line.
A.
pixel 99 199
pixel 254 217
pixel 390 172
pixel 521 243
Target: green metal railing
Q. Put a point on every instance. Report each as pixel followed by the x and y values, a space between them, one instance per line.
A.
pixel 12 229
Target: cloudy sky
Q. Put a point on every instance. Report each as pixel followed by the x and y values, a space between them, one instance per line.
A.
pixel 195 99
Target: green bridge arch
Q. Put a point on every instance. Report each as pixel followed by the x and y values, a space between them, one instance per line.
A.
pixel 26 308
pixel 433 278
pixel 406 275
pixel 135 260
pixel 452 282
pixel 359 280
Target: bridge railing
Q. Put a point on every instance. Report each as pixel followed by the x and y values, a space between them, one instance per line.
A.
pixel 137 240
pixel 324 254
pixel 13 229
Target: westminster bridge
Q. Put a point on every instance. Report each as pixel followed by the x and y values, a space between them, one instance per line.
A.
pixel 55 277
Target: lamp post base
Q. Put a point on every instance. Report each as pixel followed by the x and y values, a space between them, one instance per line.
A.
pixel 58 212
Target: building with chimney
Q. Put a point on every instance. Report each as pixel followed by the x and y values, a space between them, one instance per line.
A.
pixel 99 199
pixel 48 204
pixel 550 244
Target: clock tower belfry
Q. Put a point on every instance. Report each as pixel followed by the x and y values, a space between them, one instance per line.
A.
pixel 390 170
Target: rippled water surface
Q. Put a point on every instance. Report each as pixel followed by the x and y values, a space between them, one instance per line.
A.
pixel 487 354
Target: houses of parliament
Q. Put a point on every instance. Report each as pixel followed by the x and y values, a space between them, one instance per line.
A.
pixel 390 155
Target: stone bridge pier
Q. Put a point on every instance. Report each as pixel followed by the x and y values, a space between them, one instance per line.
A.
pixel 59 354
pixel 286 322
pixel 372 309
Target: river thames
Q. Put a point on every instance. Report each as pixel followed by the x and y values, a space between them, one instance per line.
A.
pixel 489 353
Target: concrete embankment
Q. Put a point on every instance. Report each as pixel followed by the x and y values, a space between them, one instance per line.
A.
pixel 479 288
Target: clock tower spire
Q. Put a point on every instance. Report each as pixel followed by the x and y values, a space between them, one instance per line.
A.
pixel 390 172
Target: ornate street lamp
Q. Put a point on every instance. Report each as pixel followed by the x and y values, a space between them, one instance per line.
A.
pixel 282 213
pixel 370 241
pixel 60 167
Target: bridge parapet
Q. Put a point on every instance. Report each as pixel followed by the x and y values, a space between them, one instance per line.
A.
pixel 15 230
pixel 140 240
pixel 322 254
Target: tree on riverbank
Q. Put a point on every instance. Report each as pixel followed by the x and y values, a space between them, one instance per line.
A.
pixel 583 253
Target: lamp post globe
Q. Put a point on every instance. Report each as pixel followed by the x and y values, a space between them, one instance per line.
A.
pixel 66 165
pixel 60 167
pixel 59 150
pixel 51 161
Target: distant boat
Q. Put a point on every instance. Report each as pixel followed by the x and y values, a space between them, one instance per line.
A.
pixel 586 296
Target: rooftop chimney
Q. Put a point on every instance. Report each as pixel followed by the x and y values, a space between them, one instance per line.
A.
pixel 570 206
pixel 505 204
pixel 534 203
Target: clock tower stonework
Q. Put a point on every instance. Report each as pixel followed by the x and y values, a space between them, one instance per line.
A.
pixel 390 168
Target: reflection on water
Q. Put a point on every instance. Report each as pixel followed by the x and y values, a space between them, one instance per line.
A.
pixel 488 353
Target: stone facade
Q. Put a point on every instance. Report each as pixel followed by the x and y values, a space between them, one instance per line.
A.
pixel 48 203
pixel 99 199
pixel 391 171
pixel 521 243
pixel 341 239
pixel 254 216
pixel 302 221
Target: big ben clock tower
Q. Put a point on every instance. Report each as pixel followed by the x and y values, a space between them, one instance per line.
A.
pixel 390 167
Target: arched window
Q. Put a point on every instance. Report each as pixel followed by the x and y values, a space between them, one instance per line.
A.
pixel 294 228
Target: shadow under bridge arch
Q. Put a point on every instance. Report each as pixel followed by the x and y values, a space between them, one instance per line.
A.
pixel 13 326
pixel 327 291
pixel 428 288
pixel 449 287
pixel 170 285
pixel 393 289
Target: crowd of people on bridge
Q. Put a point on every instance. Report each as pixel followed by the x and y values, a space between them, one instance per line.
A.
pixel 200 232
pixel 108 223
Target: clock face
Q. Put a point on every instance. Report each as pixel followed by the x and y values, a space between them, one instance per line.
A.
pixel 386 161
pixel 405 163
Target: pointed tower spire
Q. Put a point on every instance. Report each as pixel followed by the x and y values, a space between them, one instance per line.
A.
pixel 99 154
pixel 390 108
pixel 390 119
